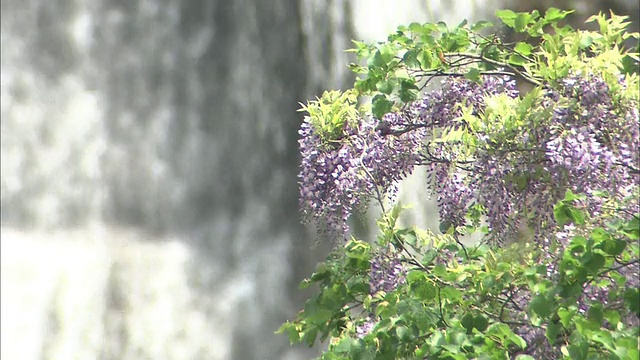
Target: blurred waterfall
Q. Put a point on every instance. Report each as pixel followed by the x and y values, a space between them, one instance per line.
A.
pixel 149 160
pixel 149 154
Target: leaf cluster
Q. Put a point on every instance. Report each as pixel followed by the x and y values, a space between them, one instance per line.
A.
pixel 460 302
pixel 395 71
pixel 330 113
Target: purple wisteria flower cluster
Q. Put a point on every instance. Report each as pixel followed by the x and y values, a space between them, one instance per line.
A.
pixel 340 177
pixel 439 109
pixel 365 328
pixel 456 190
pixel 593 146
pixel 386 273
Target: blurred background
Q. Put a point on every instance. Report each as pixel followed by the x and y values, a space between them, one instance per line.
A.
pixel 149 160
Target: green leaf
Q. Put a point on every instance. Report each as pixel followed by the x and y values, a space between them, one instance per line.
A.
pixel 323 272
pixel 376 60
pixel 451 293
pixel 521 21
pixel 315 314
pixel 585 41
pixel 613 317
pixel 385 86
pixel 507 16
pixel 604 337
pixel 387 52
pixel 424 290
pixel 499 329
pixel 632 229
pixel 599 235
pixel 381 106
pixel 416 276
pixel 440 270
pixel 618 278
pixel 530 271
pixel 467 322
pixel 570 196
pixel 632 300
pixel 553 14
pixel 357 286
pixel 452 349
pixel 577 216
pixel 627 348
pixel 364 85
pixel 614 247
pixel 630 65
pixel 362 353
pixel 408 90
pixel 535 30
pixel 602 194
pixel 310 335
pixel 517 339
pixel 438 339
pixel 481 25
pixel 579 347
pixel 344 346
pixel 442 27
pixel 525 357
pixel 410 59
pixel 541 306
pixel 494 53
pixel 523 48
pixel 593 262
pixel 552 332
pixel 489 282
pixel 564 31
pixel 516 59
pixel 566 317
pixel 400 38
pixel 445 226
pixel 425 59
pixel 404 333
pixel 595 313
pixel 357 68
pixel 575 352
pixel 292 332
pixel 473 74
pixel 429 256
pixel 410 238
pixel 421 353
pixel 561 213
pixel 480 322
pixel 416 28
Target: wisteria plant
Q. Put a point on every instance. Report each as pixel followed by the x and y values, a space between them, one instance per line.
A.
pixel 533 145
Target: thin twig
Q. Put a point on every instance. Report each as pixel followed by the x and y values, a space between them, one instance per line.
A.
pixel 441 312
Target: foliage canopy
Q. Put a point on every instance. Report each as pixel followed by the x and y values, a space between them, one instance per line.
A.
pixel 549 178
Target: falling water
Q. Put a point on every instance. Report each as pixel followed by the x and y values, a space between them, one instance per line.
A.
pixel 148 166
